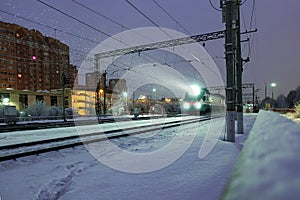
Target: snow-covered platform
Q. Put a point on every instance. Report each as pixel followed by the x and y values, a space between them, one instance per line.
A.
pixel 269 164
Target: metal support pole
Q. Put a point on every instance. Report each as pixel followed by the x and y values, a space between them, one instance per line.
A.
pixel 104 93
pixel 253 96
pixel 265 90
pixel 230 47
pixel 63 94
pixel 239 70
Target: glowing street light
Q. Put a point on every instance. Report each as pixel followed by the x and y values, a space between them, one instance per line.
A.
pixel 273 85
pixel 5 101
pixel 125 95
pixel 154 92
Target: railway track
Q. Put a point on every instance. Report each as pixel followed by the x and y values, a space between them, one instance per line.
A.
pixel 14 151
pixel 58 124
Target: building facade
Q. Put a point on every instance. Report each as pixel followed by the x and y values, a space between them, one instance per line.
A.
pixel 23 98
pixel 31 61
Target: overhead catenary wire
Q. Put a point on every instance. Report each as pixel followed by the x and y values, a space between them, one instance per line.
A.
pixel 148 18
pixel 47 26
pixel 109 19
pixel 52 28
pixel 113 21
pixel 82 22
pixel 167 13
pixel 73 18
pixel 252 20
pixel 212 5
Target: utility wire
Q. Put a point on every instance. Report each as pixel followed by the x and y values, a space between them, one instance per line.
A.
pixel 115 22
pixel 82 22
pixel 96 12
pixel 212 5
pixel 110 19
pixel 47 26
pixel 148 18
pixel 100 30
pixel 244 2
pixel 165 11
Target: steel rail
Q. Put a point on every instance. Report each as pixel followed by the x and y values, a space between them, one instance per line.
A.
pixel 56 144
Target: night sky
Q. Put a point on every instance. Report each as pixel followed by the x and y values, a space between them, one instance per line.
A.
pixel 273 50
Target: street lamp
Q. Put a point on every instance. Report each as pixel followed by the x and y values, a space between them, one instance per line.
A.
pixel 265 90
pixel 125 96
pixel 100 101
pixel 154 92
pixel 5 101
pixel 273 85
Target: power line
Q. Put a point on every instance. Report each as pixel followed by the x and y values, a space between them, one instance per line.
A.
pixel 47 26
pixel 148 18
pixel 139 11
pixel 96 12
pixel 82 22
pixel 244 2
pixel 165 11
pixel 110 19
pixel 212 5
pixel 115 22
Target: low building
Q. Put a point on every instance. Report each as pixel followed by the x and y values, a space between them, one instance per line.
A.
pixel 23 98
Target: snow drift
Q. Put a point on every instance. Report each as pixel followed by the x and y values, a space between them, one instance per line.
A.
pixel 268 166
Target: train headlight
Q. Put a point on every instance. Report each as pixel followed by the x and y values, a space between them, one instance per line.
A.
pixel 197 105
pixel 186 105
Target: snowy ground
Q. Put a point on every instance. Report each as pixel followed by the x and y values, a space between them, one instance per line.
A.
pixel 76 174
pixel 269 165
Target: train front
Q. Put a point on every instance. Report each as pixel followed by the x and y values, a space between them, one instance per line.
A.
pixel 194 101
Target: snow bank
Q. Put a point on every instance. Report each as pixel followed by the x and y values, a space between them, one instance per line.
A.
pixel 269 164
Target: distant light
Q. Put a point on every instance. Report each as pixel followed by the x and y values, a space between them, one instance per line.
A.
pixel 195 89
pixel 19 75
pixel 154 90
pixel 273 84
pixel 197 105
pixel 33 57
pixel 186 105
pixel 5 100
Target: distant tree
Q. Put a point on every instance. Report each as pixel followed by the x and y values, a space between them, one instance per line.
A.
pixel 70 112
pixel 54 111
pixel 281 101
pixel 297 99
pixel 291 97
pixel 270 101
pixel 37 109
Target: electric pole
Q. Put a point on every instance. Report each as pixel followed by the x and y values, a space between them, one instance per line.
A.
pixel 230 10
pixel 239 70
pixel 104 93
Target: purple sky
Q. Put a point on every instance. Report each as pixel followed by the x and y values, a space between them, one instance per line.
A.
pixel 274 48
